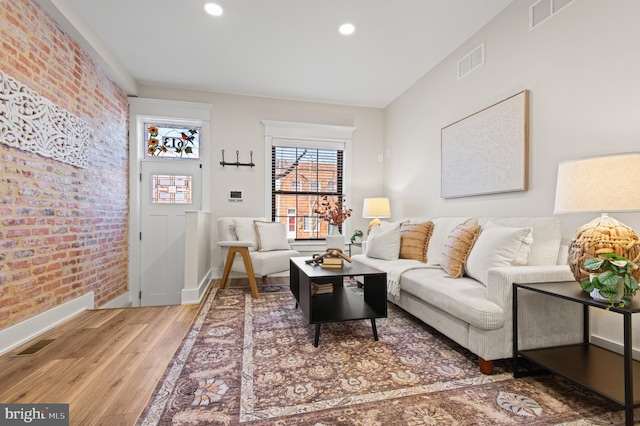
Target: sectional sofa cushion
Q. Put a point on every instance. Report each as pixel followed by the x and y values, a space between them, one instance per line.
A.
pixel 464 298
pixel 414 240
pixel 457 248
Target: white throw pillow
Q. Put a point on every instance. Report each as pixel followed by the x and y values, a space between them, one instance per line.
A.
pixel 384 242
pixel 498 246
pixel 547 236
pixel 246 231
pixel 271 236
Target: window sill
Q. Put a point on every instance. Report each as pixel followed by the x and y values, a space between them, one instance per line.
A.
pixel 309 246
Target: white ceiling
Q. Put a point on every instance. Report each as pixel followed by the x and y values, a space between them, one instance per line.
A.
pixel 279 48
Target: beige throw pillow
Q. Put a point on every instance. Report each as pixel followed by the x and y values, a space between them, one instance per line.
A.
pixel 414 240
pixel 457 248
pixel 272 236
pixel 442 228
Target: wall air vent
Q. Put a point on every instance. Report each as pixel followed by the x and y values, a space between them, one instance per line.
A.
pixel 471 61
pixel 542 10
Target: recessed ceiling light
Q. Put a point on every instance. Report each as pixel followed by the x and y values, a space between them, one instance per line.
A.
pixel 347 29
pixel 213 9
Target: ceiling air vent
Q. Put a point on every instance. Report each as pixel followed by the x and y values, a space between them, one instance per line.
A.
pixel 471 61
pixel 542 10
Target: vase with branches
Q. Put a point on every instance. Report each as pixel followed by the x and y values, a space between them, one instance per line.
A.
pixel 333 211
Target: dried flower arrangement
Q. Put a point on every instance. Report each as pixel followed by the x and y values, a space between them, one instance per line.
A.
pixel 332 211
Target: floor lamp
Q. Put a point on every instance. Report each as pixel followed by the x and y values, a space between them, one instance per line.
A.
pixel 600 184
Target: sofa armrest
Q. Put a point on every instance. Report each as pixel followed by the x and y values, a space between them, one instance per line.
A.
pixel 500 280
pixel 236 244
pixel 563 255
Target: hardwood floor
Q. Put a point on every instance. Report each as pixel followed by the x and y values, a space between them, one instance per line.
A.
pixel 104 363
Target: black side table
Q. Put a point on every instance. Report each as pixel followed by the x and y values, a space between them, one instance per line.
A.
pixel 611 375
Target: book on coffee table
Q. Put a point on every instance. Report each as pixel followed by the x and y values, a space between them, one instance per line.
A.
pixel 321 288
pixel 332 262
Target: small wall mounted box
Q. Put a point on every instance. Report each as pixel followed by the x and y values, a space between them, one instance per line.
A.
pixel 235 195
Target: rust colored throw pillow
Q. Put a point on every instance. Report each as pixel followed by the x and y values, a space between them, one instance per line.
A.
pixel 414 240
pixel 457 247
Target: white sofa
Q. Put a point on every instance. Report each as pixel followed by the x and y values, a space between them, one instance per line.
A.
pixel 478 315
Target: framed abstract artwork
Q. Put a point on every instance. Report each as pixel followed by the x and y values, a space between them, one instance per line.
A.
pixel 487 152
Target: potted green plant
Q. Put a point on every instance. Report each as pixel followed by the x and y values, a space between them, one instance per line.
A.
pixel 356 234
pixel 611 279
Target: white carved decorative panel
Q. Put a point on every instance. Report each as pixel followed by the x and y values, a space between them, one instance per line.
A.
pixel 33 123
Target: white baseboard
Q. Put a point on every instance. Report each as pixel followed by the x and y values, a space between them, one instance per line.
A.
pixel 15 335
pixel 122 301
pixel 613 346
pixel 216 273
pixel 194 295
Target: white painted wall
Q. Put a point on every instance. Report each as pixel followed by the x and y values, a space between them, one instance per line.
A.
pixel 581 67
pixel 236 124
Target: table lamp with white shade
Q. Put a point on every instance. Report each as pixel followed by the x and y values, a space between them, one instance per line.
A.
pixel 604 185
pixel 376 209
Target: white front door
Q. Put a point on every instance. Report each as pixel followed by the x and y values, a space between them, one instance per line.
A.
pixel 168 189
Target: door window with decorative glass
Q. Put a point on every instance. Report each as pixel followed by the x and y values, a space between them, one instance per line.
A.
pixel 172 141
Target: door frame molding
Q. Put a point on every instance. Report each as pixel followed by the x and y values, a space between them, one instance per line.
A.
pixel 145 109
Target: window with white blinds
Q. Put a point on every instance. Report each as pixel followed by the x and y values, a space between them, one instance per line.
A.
pixel 300 175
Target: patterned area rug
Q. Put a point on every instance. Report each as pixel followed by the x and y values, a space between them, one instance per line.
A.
pixel 252 362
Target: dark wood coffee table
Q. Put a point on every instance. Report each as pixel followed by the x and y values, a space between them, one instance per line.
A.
pixel 343 304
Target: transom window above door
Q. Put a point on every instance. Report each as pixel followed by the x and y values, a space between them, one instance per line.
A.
pixel 172 141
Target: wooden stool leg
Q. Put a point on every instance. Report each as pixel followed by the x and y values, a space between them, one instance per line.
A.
pixel 250 274
pixel 227 266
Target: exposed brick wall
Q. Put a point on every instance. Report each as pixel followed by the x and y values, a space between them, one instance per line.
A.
pixel 63 229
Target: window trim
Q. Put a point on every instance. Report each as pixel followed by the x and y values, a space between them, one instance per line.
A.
pixel 285 133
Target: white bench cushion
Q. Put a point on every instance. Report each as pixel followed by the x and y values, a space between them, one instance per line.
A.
pixel 464 298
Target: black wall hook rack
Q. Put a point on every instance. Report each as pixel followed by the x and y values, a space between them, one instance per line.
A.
pixel 237 163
